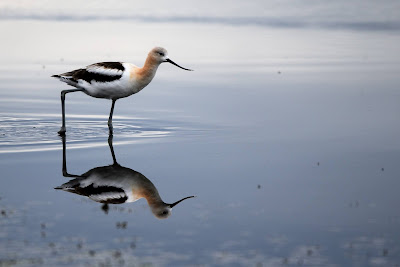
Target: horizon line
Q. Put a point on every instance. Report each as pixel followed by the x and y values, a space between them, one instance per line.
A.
pixel 232 21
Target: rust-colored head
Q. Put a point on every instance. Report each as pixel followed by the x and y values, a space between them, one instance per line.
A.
pixel 163 210
pixel 160 55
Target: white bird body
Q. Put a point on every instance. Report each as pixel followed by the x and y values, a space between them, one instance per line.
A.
pixel 122 87
pixel 127 82
pixel 113 80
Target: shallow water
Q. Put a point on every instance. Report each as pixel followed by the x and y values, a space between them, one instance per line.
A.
pixel 294 160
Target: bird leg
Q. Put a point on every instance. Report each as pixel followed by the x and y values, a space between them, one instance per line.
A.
pixel 110 144
pixel 63 93
pixel 64 163
pixel 110 126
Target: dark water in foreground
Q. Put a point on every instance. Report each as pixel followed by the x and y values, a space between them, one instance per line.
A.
pixel 296 167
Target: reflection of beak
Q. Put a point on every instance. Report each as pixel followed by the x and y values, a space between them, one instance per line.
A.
pixel 173 204
pixel 170 61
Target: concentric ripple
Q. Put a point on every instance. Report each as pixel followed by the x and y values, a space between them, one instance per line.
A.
pixel 24 132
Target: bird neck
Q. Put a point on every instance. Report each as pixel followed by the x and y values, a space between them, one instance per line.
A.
pixel 146 189
pixel 149 68
pixel 153 199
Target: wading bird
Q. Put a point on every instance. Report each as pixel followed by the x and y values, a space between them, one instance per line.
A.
pixel 112 80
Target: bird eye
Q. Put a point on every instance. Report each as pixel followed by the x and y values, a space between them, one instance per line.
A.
pixel 161 54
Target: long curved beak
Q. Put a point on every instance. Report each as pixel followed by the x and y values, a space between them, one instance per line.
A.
pixel 173 204
pixel 173 63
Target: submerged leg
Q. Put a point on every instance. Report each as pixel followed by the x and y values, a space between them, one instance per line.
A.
pixel 110 126
pixel 63 93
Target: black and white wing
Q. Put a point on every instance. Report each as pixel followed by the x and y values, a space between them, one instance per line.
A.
pixel 98 72
pixel 99 193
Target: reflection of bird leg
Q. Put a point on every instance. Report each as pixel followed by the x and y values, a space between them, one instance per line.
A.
pixel 110 144
pixel 115 184
pixel 64 164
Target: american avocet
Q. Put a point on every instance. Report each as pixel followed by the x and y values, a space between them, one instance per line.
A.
pixel 112 80
pixel 115 184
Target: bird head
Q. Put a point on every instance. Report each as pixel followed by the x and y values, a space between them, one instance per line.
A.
pixel 163 210
pixel 160 55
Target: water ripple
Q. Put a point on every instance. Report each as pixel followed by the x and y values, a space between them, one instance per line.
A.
pixel 24 132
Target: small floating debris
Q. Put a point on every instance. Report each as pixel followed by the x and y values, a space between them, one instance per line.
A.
pixel 309 252
pixel 122 225
pixel 385 252
pixel 117 254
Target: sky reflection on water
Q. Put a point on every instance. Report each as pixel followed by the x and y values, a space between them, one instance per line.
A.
pixel 288 137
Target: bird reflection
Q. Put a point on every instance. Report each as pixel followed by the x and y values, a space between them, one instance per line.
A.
pixel 115 184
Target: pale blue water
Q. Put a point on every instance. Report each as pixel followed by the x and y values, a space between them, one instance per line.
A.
pixel 293 159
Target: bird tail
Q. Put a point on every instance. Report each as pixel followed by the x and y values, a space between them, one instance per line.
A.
pixel 66 79
pixel 69 186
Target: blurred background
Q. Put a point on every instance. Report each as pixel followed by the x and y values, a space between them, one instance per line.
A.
pixel 287 131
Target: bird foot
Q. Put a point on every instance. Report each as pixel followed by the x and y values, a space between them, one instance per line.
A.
pixel 62 131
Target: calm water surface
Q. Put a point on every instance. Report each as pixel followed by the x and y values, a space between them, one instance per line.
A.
pixel 293 160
